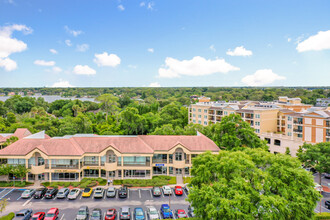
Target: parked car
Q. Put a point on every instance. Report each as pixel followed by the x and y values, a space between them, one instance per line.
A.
pixel 111 214
pixel 40 193
pixel 191 211
pixel 52 214
pixel 87 192
pixel 122 192
pixel 38 216
pixel 125 213
pixel 327 175
pixel 28 193
pixel 111 192
pixel 178 191
pixel 74 193
pixel 327 204
pixel 139 214
pixel 156 191
pixel 318 187
pixel 152 213
pixel 96 214
pixel 99 192
pixel 165 211
pixel 180 213
pixel 51 193
pixel 24 214
pixel 187 189
pixel 310 169
pixel 62 193
pixel 167 190
pixel 83 213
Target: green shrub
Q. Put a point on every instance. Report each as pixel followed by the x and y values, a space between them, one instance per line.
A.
pixel 75 184
pixel 45 184
pixel 101 181
pixel 172 180
pixel 66 184
pixel 117 182
pixel 92 184
pixel 186 179
pixel 10 216
pixel 322 216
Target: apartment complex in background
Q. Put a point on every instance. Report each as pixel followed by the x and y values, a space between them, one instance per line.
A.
pixel 283 123
pixel 74 157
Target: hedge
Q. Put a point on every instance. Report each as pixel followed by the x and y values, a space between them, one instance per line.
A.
pixel 186 180
pixel 10 216
pixel 322 216
pixel 155 181
pixel 85 182
pixel 17 184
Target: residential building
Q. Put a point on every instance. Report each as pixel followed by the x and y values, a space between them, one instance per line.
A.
pixel 323 102
pixel 19 133
pixel 74 157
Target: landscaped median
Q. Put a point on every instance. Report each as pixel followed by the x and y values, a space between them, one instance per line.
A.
pixel 86 182
pixel 10 216
pixel 186 180
pixel 155 181
pixel 16 184
pixel 91 182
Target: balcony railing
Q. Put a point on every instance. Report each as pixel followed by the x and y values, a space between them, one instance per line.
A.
pixel 136 164
pixel 64 166
pixel 159 160
pixel 46 166
pixel 90 163
pixel 297 122
pixel 297 130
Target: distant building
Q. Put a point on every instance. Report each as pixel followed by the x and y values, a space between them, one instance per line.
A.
pixel 11 93
pixel 323 102
pixel 204 99
pixel 21 93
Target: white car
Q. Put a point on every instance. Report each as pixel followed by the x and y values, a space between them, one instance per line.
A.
pixel 152 213
pixel 167 190
pixel 74 193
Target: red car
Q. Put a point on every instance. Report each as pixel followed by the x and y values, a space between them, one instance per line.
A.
pixel 52 214
pixel 38 216
pixel 178 190
pixel 111 214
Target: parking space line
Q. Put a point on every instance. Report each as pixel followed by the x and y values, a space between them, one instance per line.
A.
pixel 18 198
pixel 6 193
pixel 140 193
pixel 159 214
pixel 150 193
pixel 27 201
pixel 55 197
pixel 184 191
pixel 173 215
pixel 145 212
pixel 104 215
pixel 128 193
pixel 62 217
pixel 104 196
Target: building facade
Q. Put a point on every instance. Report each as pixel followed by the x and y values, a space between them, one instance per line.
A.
pixel 117 157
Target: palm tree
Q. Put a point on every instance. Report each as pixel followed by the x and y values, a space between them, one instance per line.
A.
pixel 109 103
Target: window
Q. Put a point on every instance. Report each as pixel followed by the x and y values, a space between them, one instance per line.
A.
pixel 258 131
pixel 205 116
pixel 257 123
pixel 199 116
pixel 277 142
pixel 170 170
pixel 194 121
pixel 199 110
pixel 118 161
pixel 300 135
pixel 199 122
pixel 257 115
pixel 289 134
pixel 268 140
pixel 327 140
pixel 194 109
pixel 205 110
pixel 289 118
pixel 226 113
pixel 194 115
pixel 289 126
pixel 186 170
pixel 178 156
pixel 112 159
pixel 205 122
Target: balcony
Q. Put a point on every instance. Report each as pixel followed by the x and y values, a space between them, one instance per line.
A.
pixel 37 169
pixel 135 164
pixel 110 166
pixel 179 164
pixel 64 166
pixel 297 130
pixel 91 163
pixel 299 122
pixel 159 160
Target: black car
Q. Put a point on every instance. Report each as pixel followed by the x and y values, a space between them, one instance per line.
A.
pixel 122 193
pixel 327 175
pixel 51 193
pixel 40 193
pixel 327 204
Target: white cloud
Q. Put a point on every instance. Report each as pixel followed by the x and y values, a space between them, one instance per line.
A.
pixel 151 50
pixel 320 41
pixel 53 51
pixel 289 39
pixel 83 70
pixel 261 77
pixel 212 48
pixel 74 33
pixel 8 64
pixel 142 4
pixel 154 84
pixel 149 5
pixel 197 66
pixel 44 63
pixel 105 59
pixel 239 51
pixel 56 69
pixel 121 8
pixel 62 84
pixel 68 43
pixel 82 47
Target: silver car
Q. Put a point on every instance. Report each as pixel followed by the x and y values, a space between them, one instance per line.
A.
pixel 62 193
pixel 74 193
pixel 167 190
pixel 125 213
pixel 152 213
pixel 28 193
pixel 111 192
pixel 99 192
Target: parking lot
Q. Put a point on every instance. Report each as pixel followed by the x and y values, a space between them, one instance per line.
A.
pixel 326 196
pixel 69 208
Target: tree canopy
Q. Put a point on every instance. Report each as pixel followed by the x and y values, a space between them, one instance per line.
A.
pixel 251 184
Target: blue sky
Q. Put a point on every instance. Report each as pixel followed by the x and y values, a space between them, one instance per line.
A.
pixel 112 43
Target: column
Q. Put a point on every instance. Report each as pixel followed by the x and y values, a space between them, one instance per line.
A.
pixel 99 172
pixel 122 172
pixel 50 177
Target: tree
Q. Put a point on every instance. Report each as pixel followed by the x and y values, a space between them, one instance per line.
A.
pixel 9 141
pixel 109 103
pixel 251 184
pixel 3 205
pixel 316 156
pixel 287 151
pixel 11 118
pixel 20 171
pixel 5 170
pixel 34 111
pixel 232 133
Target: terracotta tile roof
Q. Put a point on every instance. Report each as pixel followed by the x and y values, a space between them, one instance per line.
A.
pixel 77 146
pixel 20 133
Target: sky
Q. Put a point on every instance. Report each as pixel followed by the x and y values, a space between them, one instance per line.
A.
pixel 164 43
